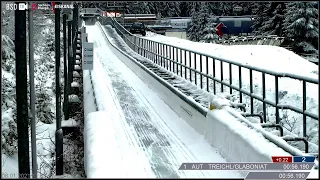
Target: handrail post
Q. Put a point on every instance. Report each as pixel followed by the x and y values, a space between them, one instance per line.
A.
pixel 277 99
pixel 304 108
pixel 264 97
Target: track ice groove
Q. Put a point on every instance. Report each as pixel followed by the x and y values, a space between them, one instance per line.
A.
pixel 148 140
pixel 149 131
pixel 138 116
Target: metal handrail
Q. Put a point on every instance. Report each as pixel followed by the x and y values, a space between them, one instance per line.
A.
pixel 262 70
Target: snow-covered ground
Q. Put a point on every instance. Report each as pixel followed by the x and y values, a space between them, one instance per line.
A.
pixel 151 137
pixel 45 132
pixel 272 58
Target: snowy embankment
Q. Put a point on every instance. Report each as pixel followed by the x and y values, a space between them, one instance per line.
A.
pixel 45 107
pixel 44 99
pixel 204 126
pixel 271 58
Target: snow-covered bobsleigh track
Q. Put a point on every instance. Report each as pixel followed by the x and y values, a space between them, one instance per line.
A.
pixel 236 139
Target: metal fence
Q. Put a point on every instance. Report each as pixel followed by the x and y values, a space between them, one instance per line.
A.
pixel 194 66
pixel 255 40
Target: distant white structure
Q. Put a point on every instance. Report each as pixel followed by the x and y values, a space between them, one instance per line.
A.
pixel 180 23
pixel 90 12
pixel 179 26
pixel 176 33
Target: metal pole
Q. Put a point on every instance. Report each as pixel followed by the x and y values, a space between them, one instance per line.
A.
pixel 22 93
pixel 59 133
pixel 32 98
pixel 70 51
pixel 65 70
pixel 74 39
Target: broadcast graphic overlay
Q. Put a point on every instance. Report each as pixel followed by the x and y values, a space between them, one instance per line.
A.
pixel 281 167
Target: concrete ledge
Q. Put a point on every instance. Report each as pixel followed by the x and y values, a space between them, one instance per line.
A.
pixel 88 94
pixel 107 154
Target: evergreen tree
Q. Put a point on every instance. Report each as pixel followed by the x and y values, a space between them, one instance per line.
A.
pixel 154 7
pixel 171 9
pixel 203 19
pixel 301 24
pixel 234 11
pixel 7 21
pixel 247 8
pixel 267 14
pixel 192 31
pixel 210 35
pixel 191 7
pixel 225 8
pixel 184 9
pixel 194 24
pixel 259 13
pixel 214 8
pixel 274 26
pixel 140 8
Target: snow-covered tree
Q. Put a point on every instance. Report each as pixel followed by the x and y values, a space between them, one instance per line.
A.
pixel 8 54
pixel 7 21
pixel 184 9
pixel 274 26
pixel 210 35
pixel 258 11
pixel 301 24
pixel 192 6
pixel 8 100
pixel 268 14
pixel 171 9
pixel 214 8
pixel 226 8
pixel 246 8
pixel 204 19
pixel 194 25
pixel 8 88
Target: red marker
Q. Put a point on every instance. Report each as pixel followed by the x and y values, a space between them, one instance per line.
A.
pixel 282 159
pixel 53 7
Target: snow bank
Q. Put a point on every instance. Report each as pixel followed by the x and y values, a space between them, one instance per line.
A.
pixel 212 126
pixel 9 166
pixel 69 123
pixel 274 58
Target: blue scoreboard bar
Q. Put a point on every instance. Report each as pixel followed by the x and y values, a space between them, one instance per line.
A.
pixel 304 158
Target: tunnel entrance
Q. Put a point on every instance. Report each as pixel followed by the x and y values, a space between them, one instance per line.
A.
pixel 89 21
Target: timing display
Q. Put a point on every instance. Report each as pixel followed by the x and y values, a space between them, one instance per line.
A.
pixel 246 166
pixel 290 159
pixel 277 175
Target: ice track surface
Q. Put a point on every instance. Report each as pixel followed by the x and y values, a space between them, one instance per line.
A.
pixel 152 139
